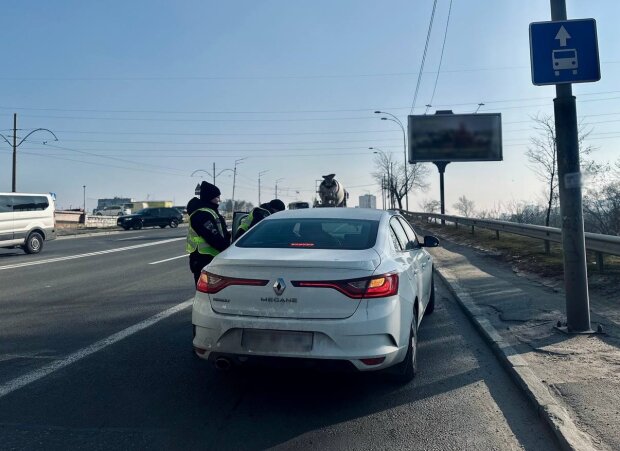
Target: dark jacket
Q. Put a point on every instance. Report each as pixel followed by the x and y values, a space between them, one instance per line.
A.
pixel 205 225
pixel 258 214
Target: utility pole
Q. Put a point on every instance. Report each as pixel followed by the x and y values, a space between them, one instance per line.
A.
pixel 260 174
pixel 239 161
pixel 214 172
pixel 14 185
pixel 276 194
pixel 571 211
pixel 84 186
pixel 16 144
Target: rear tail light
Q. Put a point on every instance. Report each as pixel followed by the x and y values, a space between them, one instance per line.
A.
pixel 212 283
pixel 368 287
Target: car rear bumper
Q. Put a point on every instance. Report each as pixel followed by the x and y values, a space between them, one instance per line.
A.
pixel 374 330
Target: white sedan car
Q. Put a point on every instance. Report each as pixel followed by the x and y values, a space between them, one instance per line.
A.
pixel 338 284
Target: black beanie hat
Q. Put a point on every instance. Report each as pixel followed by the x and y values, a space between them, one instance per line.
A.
pixel 277 205
pixel 208 191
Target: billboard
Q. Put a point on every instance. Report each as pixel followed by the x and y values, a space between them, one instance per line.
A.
pixel 455 137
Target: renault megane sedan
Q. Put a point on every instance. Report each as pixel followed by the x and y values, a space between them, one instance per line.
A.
pixel 326 284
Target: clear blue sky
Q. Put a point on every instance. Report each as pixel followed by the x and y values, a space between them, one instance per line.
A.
pixel 143 93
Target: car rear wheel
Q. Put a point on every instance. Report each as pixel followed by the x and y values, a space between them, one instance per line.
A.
pixel 34 243
pixel 430 308
pixel 405 371
pixel 126 227
pixel 174 223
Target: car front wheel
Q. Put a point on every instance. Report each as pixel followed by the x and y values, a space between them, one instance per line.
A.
pixel 34 243
pixel 174 223
pixel 137 225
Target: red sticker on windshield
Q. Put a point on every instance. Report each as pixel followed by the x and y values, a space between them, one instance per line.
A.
pixel 301 244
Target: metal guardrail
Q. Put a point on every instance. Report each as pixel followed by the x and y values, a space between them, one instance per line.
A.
pixel 597 242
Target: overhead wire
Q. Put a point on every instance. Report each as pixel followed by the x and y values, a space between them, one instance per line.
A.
pixel 443 46
pixel 421 71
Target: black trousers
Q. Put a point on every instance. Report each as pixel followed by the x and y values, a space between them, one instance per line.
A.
pixel 197 262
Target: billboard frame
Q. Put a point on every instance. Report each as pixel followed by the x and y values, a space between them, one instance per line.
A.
pixel 452 158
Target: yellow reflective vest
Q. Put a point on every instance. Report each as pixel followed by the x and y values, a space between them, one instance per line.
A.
pixel 197 243
pixel 246 222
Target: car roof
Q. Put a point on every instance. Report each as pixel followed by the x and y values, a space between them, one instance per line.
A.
pixel 333 212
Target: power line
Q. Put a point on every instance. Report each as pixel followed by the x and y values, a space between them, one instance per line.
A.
pixel 266 77
pixel 146 119
pixel 428 37
pixel 341 110
pixel 445 35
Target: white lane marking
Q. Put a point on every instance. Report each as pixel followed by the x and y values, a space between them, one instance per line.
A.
pixel 168 259
pixel 33 376
pixel 90 254
pixel 130 238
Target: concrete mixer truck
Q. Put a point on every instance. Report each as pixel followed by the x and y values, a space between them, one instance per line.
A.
pixel 331 193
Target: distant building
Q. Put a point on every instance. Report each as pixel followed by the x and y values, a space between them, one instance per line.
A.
pixel 368 201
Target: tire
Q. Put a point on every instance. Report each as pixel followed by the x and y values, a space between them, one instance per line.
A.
pixel 430 308
pixel 126 227
pixel 405 371
pixel 174 224
pixel 163 226
pixel 34 243
pixel 137 225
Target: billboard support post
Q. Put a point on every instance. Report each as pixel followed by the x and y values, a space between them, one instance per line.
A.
pixel 569 175
pixel 441 167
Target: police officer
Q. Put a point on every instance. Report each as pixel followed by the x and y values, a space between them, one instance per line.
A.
pixel 258 214
pixel 207 235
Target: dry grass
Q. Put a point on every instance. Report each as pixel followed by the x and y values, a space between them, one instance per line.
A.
pixel 528 254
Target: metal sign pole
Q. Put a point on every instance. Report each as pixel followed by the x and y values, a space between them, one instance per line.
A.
pixel 441 167
pixel 573 238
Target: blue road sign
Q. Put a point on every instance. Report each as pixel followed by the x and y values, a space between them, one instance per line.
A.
pixel 564 52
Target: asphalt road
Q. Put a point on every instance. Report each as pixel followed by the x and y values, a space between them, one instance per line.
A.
pixel 67 382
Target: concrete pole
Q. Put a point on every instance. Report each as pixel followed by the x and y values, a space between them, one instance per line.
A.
pixel 14 186
pixel 569 175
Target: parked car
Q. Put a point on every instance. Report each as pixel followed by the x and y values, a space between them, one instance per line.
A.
pixel 151 217
pixel 339 284
pixel 26 221
pixel 113 210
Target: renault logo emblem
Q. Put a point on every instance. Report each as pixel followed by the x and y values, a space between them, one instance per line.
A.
pixel 279 286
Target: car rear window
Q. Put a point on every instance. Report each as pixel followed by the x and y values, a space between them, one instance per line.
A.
pixel 315 233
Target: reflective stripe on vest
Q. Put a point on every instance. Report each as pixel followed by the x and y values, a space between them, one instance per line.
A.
pixel 195 242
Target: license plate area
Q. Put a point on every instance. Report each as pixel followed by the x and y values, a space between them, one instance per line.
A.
pixel 261 340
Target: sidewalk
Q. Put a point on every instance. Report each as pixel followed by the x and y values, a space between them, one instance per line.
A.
pixel 574 381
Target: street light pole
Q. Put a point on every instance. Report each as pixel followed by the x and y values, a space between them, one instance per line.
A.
pixel 16 144
pixel 279 180
pixel 388 181
pixel 84 186
pixel 259 176
pixel 239 161
pixel 394 119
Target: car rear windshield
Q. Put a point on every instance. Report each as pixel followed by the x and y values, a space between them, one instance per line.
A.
pixel 315 233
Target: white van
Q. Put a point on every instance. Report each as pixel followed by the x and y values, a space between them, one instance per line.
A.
pixel 26 220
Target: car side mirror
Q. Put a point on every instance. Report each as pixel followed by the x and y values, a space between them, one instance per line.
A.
pixel 431 241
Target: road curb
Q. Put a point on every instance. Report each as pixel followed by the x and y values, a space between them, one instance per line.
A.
pixel 569 436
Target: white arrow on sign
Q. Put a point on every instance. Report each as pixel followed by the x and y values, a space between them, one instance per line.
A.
pixel 562 36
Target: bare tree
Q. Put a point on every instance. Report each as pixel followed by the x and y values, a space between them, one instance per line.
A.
pixel 543 158
pixel 392 174
pixel 465 206
pixel 430 206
